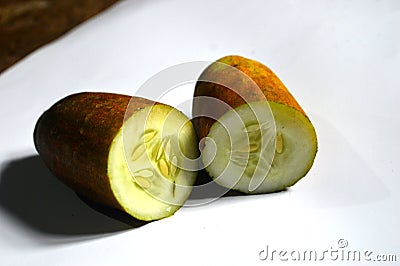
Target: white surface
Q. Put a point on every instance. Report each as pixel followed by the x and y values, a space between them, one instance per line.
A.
pixel 339 58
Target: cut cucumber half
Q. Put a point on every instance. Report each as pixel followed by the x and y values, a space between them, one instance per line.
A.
pixel 256 153
pixel 128 153
pixel 146 168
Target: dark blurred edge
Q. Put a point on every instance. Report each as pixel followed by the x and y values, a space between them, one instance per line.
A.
pixel 26 25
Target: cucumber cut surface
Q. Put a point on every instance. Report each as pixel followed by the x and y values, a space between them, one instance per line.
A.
pixel 257 153
pixel 147 171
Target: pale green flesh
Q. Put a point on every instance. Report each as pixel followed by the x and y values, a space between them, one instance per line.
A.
pixel 143 179
pixel 288 140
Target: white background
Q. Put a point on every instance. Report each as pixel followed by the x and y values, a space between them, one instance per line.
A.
pixel 341 61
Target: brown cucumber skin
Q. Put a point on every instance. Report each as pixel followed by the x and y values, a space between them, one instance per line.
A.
pixel 74 137
pixel 262 84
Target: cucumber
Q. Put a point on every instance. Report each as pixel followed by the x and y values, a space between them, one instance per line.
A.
pixel 125 152
pixel 264 142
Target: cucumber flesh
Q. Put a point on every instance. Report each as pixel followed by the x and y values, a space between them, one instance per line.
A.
pixel 146 165
pixel 257 153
